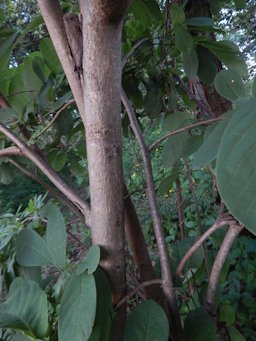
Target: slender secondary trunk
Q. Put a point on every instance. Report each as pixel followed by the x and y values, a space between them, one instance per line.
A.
pixel 102 106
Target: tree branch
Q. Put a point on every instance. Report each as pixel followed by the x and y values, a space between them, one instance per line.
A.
pixel 57 195
pixel 224 220
pixel 53 17
pixel 10 151
pixel 138 288
pixel 132 51
pixel 163 252
pixel 49 172
pixel 232 233
pixel 183 129
pixel 56 116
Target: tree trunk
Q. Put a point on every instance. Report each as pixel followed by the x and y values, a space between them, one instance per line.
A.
pixel 102 27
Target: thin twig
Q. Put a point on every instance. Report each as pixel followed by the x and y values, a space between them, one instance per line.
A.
pixel 232 233
pixel 83 246
pixel 50 173
pixel 224 220
pixel 180 208
pixel 168 287
pixel 183 129
pixel 56 116
pixel 132 51
pixel 138 288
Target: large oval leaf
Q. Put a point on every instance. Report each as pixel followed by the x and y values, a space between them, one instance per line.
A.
pixel 26 308
pixel 199 326
pixel 147 322
pixel 32 250
pixel 183 38
pixel 91 261
pixel 207 152
pixel 55 234
pixel 229 85
pixel 236 165
pixel 77 309
pixel 190 62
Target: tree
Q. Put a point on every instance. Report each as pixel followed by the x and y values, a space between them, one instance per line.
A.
pixel 174 66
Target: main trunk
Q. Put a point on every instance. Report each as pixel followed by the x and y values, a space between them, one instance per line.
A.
pixel 102 106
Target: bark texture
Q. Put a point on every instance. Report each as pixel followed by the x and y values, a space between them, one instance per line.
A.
pixel 102 105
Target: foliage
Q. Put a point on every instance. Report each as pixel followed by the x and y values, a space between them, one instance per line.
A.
pixel 175 50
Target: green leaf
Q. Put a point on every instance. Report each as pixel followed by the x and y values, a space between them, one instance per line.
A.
pixel 229 54
pixel 207 68
pixel 240 4
pixel 6 174
pixel 7 43
pixel 178 146
pixel 57 158
pixel 199 326
pixel 227 314
pixel 190 63
pixel 183 38
pixel 21 337
pixel 55 234
pixel 200 21
pixel 50 55
pixel 180 248
pixel 76 168
pixel 31 81
pixel 38 66
pixel 207 152
pixel 230 85
pixel 26 308
pixel 61 101
pixel 91 261
pixel 147 12
pixel 235 334
pixel 166 183
pixel 104 312
pixel 177 120
pixel 35 22
pixel 7 114
pixel 19 99
pixel 77 309
pixel 32 250
pixel 147 322
pixel 153 100
pixel 254 87
pixel 177 14
pixel 236 164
